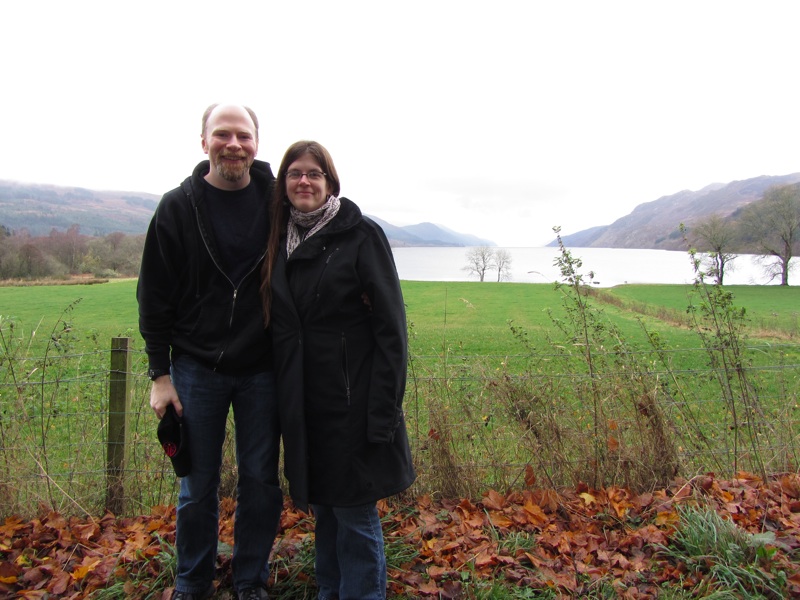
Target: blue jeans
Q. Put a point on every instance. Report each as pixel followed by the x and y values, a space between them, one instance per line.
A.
pixel 206 397
pixel 350 561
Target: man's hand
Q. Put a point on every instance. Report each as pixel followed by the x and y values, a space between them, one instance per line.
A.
pixel 162 394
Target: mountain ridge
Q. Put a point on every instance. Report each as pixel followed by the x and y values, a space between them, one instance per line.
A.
pixel 40 208
pixel 655 225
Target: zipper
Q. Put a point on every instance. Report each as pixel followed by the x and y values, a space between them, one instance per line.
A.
pixel 345 369
pixel 322 273
pixel 233 308
pixel 225 275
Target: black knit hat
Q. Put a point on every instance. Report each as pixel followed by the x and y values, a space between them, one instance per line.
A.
pixel 172 435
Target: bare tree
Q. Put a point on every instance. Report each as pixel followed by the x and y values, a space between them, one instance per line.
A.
pixel 116 252
pixel 32 262
pixel 68 247
pixel 716 236
pixel 502 262
pixel 480 259
pixel 772 225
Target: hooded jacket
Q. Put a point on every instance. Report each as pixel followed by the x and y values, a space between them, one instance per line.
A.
pixel 340 345
pixel 187 302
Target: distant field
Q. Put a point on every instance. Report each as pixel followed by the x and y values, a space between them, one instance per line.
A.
pixel 103 310
pixel 760 300
pixel 767 306
pixel 470 318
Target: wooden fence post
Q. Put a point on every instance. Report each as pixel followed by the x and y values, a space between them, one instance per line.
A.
pixel 119 402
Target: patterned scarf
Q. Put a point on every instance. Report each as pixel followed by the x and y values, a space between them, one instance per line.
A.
pixel 312 221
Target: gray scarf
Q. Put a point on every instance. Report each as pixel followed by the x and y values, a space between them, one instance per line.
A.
pixel 312 221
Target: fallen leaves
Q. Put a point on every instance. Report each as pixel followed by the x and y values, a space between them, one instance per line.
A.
pixel 566 543
pixel 584 536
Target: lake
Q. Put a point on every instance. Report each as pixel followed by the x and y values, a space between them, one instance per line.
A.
pixel 611 266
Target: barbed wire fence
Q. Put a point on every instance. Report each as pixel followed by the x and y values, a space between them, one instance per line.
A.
pixel 77 434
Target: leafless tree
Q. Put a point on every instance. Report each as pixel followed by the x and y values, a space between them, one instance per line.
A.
pixel 502 262
pixel 117 252
pixel 716 236
pixel 480 259
pixel 67 247
pixel 772 224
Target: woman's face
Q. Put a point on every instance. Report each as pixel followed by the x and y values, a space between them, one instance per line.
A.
pixel 306 184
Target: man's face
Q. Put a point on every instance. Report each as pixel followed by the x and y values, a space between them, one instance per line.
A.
pixel 231 144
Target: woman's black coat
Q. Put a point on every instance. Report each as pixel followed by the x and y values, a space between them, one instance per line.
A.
pixel 340 346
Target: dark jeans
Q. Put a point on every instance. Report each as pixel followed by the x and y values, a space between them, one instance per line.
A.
pixel 351 560
pixel 206 397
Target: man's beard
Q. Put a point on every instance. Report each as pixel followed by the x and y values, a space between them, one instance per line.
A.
pixel 232 171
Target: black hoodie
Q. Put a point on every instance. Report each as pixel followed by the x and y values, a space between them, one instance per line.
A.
pixel 188 304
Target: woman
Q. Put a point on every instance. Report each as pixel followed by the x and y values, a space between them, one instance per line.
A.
pixel 332 296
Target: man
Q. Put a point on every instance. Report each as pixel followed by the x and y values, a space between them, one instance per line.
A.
pixel 200 316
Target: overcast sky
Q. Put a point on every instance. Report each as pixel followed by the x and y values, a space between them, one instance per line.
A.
pixel 497 118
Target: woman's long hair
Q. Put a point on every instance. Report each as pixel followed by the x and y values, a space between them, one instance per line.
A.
pixel 279 214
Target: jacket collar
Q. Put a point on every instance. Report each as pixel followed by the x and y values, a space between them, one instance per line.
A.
pixel 348 217
pixel 260 172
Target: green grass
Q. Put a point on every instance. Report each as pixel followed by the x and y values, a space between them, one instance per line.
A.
pixel 489 396
pixel 102 310
pixel 479 426
pixel 453 319
pixel 761 300
pixel 467 317
pixel 472 318
pixel 726 558
pixel 769 307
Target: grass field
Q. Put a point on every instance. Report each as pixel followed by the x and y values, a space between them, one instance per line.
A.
pixel 469 317
pixel 769 309
pixel 453 319
pixel 483 402
pixel 457 320
pixel 103 310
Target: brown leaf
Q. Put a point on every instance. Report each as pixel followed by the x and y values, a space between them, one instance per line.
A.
pixel 59 583
pixel 500 520
pixel 534 513
pixel 32 594
pixel 451 590
pixel 85 531
pixel 530 476
pixel 493 501
pixel 429 588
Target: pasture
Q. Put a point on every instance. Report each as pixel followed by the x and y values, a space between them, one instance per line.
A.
pixel 505 379
pixel 469 318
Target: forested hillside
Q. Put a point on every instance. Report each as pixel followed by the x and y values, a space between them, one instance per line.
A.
pixel 48 231
pixel 36 209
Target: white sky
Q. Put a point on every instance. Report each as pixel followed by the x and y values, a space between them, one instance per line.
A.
pixel 501 119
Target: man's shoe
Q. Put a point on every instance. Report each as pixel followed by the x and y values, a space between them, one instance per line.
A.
pixel 176 595
pixel 258 593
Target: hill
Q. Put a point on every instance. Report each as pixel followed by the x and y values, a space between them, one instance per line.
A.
pixel 654 225
pixel 39 208
pixel 428 234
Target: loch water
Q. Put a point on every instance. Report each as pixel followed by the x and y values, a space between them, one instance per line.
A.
pixel 610 266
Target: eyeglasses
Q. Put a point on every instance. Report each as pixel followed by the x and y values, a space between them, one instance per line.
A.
pixel 295 175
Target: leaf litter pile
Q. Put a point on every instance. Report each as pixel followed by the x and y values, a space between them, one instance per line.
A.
pixel 563 543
